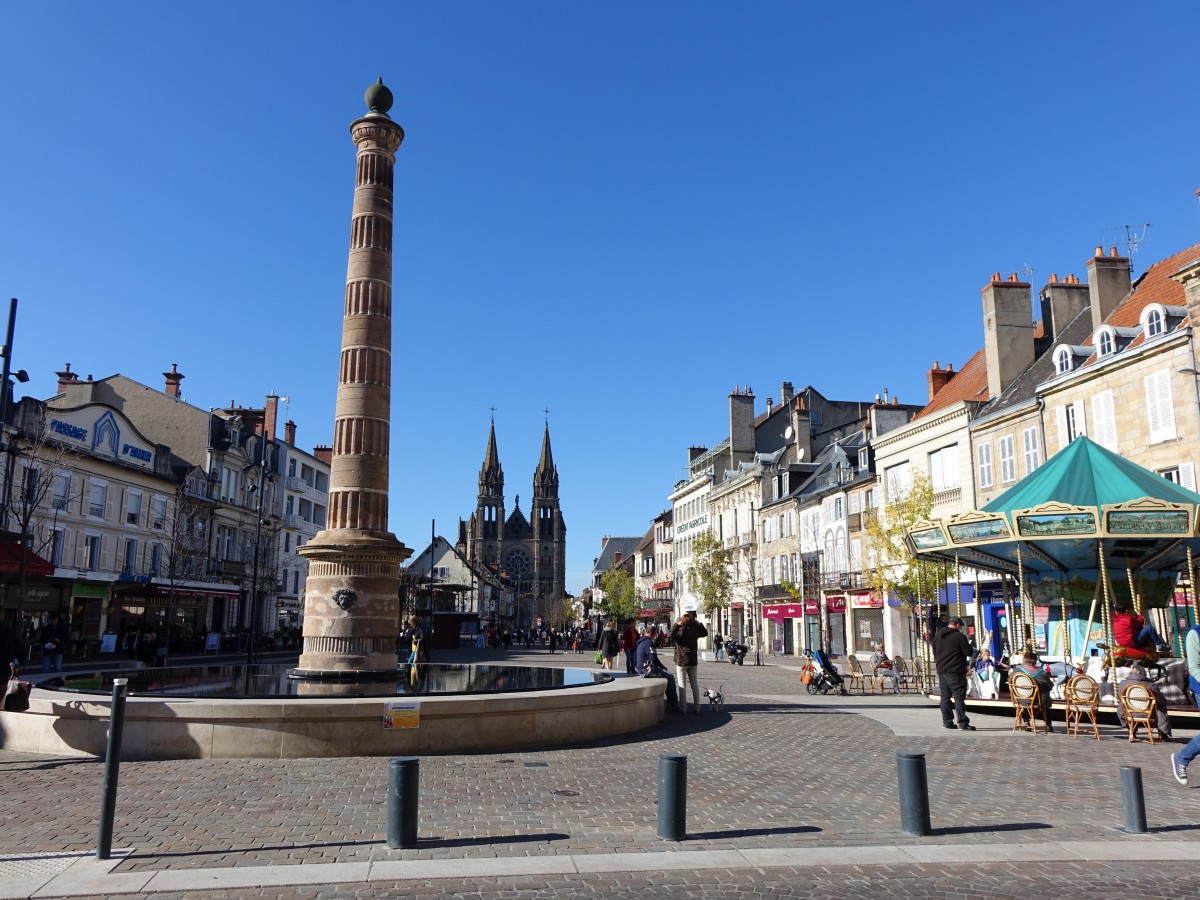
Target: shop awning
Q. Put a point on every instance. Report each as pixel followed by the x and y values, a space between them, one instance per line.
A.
pixel 209 592
pixel 11 554
pixel 663 586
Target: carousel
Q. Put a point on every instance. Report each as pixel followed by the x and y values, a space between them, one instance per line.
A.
pixel 1087 533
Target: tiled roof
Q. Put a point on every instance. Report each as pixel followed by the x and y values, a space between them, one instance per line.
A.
pixel 970 384
pixel 1155 286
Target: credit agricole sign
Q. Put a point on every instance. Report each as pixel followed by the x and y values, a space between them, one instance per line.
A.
pixel 691 524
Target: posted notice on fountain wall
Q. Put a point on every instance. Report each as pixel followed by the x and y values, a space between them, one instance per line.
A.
pixel 402 715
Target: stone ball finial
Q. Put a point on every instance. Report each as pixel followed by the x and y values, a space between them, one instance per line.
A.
pixel 378 98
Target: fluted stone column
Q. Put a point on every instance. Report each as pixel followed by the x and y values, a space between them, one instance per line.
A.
pixel 351 603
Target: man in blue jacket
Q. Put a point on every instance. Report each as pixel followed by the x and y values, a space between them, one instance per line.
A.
pixel 647 664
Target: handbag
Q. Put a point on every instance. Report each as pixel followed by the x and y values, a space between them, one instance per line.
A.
pixel 16 695
pixel 599 657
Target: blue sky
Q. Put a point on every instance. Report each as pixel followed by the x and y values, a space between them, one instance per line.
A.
pixel 619 211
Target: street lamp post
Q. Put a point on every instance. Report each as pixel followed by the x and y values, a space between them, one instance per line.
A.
pixel 5 395
pixel 252 652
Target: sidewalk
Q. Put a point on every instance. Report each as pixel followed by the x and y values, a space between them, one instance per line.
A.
pixel 780 783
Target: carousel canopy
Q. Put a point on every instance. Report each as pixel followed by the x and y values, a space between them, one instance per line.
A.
pixel 1086 511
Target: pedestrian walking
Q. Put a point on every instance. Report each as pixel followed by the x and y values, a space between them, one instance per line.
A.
pixel 54 642
pixel 609 646
pixel 629 639
pixel 718 646
pixel 952 653
pixel 686 634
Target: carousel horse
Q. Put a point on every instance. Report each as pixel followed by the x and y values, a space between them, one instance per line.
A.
pixel 1117 656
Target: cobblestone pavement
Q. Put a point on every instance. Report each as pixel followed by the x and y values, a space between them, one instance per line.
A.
pixel 776 769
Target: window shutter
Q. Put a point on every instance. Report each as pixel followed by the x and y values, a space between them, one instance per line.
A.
pixel 1060 415
pixel 1158 407
pixel 1104 418
pixel 1187 475
pixel 1080 419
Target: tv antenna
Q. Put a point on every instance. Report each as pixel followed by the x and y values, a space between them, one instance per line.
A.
pixel 1026 272
pixel 1133 239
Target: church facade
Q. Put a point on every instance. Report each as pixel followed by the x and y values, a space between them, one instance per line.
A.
pixel 531 552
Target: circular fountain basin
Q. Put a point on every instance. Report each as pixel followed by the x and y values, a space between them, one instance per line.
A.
pixel 258 712
pixel 242 682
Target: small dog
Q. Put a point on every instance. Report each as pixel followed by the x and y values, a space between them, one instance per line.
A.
pixel 715 700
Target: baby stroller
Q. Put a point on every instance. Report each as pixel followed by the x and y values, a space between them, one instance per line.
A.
pixel 825 676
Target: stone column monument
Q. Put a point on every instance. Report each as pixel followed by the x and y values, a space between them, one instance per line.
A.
pixel 351 603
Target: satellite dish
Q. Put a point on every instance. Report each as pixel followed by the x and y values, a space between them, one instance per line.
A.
pixel 787 433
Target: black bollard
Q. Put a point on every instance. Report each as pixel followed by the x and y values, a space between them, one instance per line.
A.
pixel 914 794
pixel 112 767
pixel 404 778
pixel 1135 801
pixel 672 796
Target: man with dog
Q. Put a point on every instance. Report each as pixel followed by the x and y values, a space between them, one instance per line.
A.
pixel 686 634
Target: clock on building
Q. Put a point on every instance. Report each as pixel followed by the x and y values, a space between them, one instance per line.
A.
pixel 517 563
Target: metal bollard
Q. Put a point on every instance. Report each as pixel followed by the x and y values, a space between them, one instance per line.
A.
pixel 112 767
pixel 672 796
pixel 914 794
pixel 404 778
pixel 1134 800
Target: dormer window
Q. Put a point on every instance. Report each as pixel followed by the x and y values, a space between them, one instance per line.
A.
pixel 1062 360
pixel 1154 322
pixel 1104 343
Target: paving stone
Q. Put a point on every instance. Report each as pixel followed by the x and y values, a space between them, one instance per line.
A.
pixel 779 770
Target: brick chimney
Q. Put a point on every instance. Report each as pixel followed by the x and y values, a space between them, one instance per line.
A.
pixel 1062 301
pixel 324 453
pixel 801 428
pixel 271 415
pixel 786 393
pixel 289 433
pixel 173 378
pixel 939 377
pixel 1108 283
pixel 1007 331
pixel 741 425
pixel 616 557
pixel 66 377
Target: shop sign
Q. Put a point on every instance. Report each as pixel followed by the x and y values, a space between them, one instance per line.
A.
pixel 866 601
pixel 89 590
pixel 691 524
pixel 782 611
pixel 812 608
pixel 101 432
pixel 835 604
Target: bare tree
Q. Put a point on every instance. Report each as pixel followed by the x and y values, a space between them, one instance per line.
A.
pixel 184 523
pixel 37 487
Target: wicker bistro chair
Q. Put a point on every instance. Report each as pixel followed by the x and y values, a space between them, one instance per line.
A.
pixel 1140 709
pixel 904 676
pixel 857 676
pixel 1027 703
pixel 1083 699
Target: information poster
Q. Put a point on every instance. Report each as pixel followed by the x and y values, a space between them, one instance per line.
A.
pixel 402 715
pixel 108 642
pixel 212 643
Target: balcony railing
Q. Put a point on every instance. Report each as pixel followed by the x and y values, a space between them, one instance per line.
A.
pixel 947 495
pixel 772 592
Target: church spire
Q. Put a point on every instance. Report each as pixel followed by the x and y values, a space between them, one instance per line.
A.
pixel 545 478
pixel 490 473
